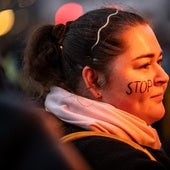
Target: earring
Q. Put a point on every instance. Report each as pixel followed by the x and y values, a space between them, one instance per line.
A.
pixel 98 95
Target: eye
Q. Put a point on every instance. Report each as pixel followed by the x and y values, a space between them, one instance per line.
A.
pixel 145 66
pixel 160 61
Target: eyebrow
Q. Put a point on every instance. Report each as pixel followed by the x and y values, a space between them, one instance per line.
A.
pixel 151 55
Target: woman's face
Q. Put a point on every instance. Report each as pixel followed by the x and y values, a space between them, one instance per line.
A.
pixel 137 81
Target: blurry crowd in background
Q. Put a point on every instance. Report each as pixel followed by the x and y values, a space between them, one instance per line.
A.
pixel 19 17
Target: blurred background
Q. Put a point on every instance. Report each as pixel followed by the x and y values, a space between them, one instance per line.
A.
pixel 19 17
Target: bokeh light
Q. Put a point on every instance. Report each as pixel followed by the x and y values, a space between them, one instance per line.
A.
pixel 7 19
pixel 68 12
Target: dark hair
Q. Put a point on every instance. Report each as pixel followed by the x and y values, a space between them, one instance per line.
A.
pixel 56 54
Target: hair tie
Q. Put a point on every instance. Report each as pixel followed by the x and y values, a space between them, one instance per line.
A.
pixel 62 33
pixel 59 32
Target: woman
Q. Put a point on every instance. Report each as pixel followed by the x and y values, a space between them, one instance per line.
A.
pixel 102 73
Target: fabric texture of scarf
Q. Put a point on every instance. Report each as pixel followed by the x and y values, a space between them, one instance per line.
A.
pixel 102 117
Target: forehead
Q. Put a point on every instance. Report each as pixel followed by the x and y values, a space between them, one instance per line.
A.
pixel 141 40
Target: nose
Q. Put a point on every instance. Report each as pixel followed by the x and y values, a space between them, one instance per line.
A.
pixel 161 77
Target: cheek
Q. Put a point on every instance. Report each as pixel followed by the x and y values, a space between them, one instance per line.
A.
pixel 138 87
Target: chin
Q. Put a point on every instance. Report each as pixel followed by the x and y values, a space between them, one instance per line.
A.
pixel 157 114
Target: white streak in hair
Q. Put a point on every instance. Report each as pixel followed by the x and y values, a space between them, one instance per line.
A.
pixel 99 30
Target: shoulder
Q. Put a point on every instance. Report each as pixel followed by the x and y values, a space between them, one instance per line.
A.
pixel 106 153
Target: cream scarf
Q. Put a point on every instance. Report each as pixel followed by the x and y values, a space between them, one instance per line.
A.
pixel 98 116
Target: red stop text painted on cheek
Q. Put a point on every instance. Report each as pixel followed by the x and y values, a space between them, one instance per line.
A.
pixel 139 87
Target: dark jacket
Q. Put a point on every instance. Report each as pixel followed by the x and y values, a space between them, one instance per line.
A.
pixel 104 153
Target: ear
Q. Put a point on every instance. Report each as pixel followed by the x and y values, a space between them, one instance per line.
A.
pixel 90 77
